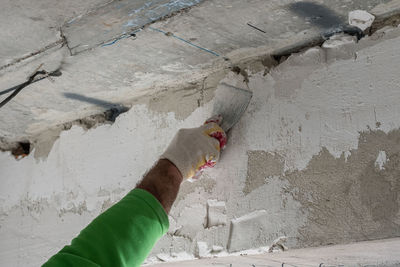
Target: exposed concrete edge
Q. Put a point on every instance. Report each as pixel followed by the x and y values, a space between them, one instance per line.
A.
pixel 22 147
pixel 238 61
pixel 389 19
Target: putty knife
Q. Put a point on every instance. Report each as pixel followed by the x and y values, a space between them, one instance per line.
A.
pixel 230 102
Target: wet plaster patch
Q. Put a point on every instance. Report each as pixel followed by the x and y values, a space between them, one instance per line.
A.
pixel 346 200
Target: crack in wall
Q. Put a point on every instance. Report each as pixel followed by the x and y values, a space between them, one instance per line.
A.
pixel 132 24
pixel 199 90
pixel 62 41
pixel 65 41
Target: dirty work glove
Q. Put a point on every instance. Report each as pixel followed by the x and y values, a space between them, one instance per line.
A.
pixel 194 149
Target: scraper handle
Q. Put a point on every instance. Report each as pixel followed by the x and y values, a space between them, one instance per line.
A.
pixel 221 137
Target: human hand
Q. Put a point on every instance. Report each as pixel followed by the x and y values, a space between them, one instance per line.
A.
pixel 195 149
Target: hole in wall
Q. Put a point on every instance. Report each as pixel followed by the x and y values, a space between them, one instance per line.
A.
pixel 21 150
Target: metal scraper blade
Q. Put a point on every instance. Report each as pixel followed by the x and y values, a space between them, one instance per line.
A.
pixel 230 102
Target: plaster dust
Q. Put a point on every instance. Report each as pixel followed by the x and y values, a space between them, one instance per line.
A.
pixel 320 127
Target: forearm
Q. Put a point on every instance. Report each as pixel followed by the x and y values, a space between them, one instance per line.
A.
pixel 122 236
pixel 125 234
pixel 163 182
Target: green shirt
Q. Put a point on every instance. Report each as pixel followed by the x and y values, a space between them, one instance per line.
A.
pixel 121 236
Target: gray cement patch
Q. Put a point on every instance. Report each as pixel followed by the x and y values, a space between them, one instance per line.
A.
pixel 350 200
pixel 206 183
pixel 260 166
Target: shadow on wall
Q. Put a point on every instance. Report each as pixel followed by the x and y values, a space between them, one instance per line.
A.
pixel 317 14
pixel 325 19
pixel 116 109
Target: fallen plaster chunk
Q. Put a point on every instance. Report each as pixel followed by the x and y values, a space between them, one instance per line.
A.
pixel 248 231
pixel 339 46
pixel 361 19
pixel 253 251
pixel 217 249
pixel 338 40
pixel 180 256
pixel 381 160
pixel 216 213
pixel 278 244
pixel 202 250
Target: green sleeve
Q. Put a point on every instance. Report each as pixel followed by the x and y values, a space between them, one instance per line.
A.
pixel 122 236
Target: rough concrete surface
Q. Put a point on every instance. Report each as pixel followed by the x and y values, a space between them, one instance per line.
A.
pixel 308 151
pixel 115 20
pixel 260 166
pixel 150 62
pixel 350 199
pixel 28 26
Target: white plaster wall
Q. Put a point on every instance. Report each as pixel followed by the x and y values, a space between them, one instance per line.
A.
pixel 303 105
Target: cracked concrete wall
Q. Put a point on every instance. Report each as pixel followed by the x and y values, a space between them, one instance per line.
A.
pixel 22 18
pixel 315 158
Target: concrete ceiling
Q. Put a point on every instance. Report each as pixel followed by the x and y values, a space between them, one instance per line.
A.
pixel 177 52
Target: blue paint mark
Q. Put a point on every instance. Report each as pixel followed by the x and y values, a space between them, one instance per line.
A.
pixel 160 10
pixel 131 23
pixel 188 42
pixel 121 37
pixel 145 6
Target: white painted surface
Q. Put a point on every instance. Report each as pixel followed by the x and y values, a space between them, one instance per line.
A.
pixel 44 203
